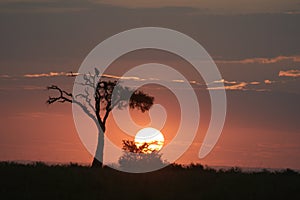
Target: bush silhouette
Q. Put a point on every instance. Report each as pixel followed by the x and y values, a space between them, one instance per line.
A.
pixel 139 157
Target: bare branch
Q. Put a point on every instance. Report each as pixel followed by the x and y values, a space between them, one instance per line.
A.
pixel 67 97
pixel 63 97
pixel 86 98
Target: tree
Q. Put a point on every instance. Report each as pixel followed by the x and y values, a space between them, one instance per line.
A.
pixel 140 157
pixel 107 96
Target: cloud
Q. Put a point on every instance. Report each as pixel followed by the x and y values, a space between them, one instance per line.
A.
pixel 261 60
pixel 290 73
pixel 73 74
pixel 43 6
pixel 4 76
pixel 294 12
pixel 224 81
pixel 178 81
pixel 257 86
pixel 267 81
pixel 51 74
pixel 228 85
pixel 236 86
pixel 213 6
pixel 191 7
pixel 122 77
pixel 241 85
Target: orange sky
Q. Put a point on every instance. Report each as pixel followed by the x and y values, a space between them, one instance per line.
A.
pixel 252 135
pixel 256 49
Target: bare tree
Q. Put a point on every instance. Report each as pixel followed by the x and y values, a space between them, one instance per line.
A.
pixel 107 96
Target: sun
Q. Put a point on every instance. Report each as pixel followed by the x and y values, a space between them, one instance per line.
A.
pixel 151 136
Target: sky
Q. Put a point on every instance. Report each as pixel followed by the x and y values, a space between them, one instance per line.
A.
pixel 255 45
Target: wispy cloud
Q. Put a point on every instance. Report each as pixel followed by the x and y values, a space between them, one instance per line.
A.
pixel 230 86
pixel 293 12
pixel 191 6
pixel 43 75
pixel 267 81
pixel 72 74
pixel 254 85
pixel 178 81
pixel 215 85
pixel 4 76
pixel 225 81
pixel 261 60
pixel 50 74
pixel 43 6
pixel 290 73
pixel 258 86
pixel 212 6
pixel 122 77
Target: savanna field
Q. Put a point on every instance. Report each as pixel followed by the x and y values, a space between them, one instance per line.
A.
pixel 40 181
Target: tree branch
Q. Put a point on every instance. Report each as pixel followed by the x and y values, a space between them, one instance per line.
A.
pixel 63 97
pixel 67 97
pixel 86 98
pixel 103 91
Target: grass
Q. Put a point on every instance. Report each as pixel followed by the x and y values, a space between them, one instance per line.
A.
pixel 40 181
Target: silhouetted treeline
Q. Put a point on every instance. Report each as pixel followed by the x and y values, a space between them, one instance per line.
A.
pixel 40 181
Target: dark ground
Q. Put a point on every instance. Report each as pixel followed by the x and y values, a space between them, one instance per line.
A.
pixel 39 181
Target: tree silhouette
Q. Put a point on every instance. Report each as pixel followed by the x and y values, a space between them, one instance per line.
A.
pixel 140 157
pixel 107 95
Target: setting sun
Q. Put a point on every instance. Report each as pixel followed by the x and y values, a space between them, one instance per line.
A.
pixel 152 136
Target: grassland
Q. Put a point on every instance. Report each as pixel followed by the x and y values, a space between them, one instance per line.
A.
pixel 40 181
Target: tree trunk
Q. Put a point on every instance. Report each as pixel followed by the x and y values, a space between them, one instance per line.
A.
pixel 98 158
